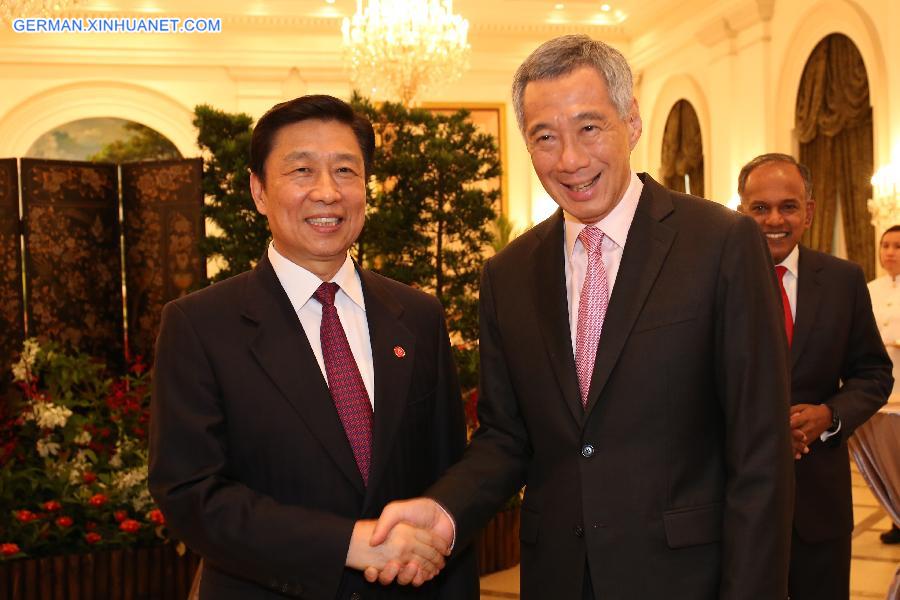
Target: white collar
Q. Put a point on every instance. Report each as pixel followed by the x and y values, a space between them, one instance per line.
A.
pixel 300 284
pixel 616 224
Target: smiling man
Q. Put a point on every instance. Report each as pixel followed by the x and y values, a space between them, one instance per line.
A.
pixel 293 401
pixel 840 371
pixel 633 370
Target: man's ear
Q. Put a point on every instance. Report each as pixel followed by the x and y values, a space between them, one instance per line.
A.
pixel 258 191
pixel 810 212
pixel 635 125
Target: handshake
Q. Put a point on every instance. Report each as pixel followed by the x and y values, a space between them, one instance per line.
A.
pixel 408 543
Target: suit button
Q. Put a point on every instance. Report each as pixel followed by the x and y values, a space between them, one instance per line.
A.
pixel 587 451
pixel 578 530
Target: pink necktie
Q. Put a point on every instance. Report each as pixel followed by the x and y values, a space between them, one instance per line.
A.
pixel 591 308
pixel 345 382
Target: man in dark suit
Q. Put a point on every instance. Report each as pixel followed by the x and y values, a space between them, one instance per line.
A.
pixel 266 455
pixel 634 370
pixel 840 374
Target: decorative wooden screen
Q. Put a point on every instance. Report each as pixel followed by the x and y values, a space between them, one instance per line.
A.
pixel 72 257
pixel 163 204
pixel 12 310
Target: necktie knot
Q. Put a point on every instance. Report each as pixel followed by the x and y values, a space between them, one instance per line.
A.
pixel 781 270
pixel 591 238
pixel 326 292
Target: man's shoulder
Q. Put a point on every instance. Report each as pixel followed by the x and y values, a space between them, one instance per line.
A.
pixel 216 296
pixel 407 295
pixel 821 261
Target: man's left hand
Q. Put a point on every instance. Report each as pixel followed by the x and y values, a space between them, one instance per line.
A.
pixel 812 419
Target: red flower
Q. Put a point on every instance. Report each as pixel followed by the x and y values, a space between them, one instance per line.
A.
pixel 51 506
pixel 120 515
pixel 129 526
pixel 64 521
pixel 92 537
pixel 26 516
pixel 138 367
pixel 97 500
pixel 9 549
pixel 88 477
pixel 157 517
pixel 91 526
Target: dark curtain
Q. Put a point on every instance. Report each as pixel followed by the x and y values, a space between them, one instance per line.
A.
pixel 682 149
pixel 834 128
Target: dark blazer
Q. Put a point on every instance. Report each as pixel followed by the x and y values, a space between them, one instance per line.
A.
pixel 839 360
pixel 676 482
pixel 248 458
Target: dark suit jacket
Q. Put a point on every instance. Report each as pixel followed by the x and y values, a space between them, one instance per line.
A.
pixel 676 482
pixel 248 458
pixel 838 359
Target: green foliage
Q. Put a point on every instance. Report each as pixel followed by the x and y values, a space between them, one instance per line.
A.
pixel 430 212
pixel 73 457
pixel 143 143
pixel 243 232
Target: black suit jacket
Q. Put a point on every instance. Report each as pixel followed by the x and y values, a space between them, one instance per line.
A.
pixel 839 360
pixel 248 458
pixel 676 482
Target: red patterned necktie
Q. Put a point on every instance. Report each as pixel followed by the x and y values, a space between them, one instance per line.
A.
pixel 591 308
pixel 345 382
pixel 785 305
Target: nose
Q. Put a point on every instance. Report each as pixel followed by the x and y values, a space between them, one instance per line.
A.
pixel 773 218
pixel 325 189
pixel 572 155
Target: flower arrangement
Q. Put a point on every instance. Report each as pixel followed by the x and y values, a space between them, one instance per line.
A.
pixel 73 456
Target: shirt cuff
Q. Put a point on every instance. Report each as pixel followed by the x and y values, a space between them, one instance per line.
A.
pixel 452 522
pixel 826 434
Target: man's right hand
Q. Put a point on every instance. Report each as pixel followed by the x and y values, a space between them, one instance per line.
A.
pixel 413 555
pixel 423 513
pixel 798 440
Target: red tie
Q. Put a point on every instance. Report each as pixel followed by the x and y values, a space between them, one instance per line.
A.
pixel 786 305
pixel 344 381
pixel 592 306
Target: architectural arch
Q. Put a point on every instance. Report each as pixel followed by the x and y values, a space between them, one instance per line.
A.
pixel 678 87
pixel 44 111
pixel 827 17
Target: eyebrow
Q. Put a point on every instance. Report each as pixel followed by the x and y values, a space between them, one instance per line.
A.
pixel 589 115
pixel 306 154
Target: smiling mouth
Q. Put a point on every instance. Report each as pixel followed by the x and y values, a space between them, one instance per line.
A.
pixel 777 236
pixel 324 221
pixel 583 186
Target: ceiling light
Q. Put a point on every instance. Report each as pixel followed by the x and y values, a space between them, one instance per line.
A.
pixel 605 8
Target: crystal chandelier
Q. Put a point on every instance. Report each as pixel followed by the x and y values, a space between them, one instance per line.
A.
pixel 885 202
pixel 405 46
pixel 17 9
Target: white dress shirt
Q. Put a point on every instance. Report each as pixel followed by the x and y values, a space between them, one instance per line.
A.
pixel 615 228
pixel 885 292
pixel 300 285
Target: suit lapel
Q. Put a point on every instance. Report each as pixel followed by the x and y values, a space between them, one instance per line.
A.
pixel 808 296
pixel 648 244
pixel 283 351
pixel 393 373
pixel 553 310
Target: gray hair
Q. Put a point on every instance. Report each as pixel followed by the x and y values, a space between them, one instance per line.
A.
pixel 560 56
pixel 775 157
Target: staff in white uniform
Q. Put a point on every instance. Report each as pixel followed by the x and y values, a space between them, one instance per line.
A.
pixel 885 292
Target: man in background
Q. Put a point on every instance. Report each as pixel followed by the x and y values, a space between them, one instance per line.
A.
pixel 840 372
pixel 293 401
pixel 633 370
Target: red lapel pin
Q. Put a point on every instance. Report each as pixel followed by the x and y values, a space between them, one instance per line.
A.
pixel 399 352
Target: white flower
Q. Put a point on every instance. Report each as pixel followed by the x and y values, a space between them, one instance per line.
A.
pixel 129 479
pixel 22 369
pixel 47 448
pixel 83 438
pixel 116 461
pixel 48 415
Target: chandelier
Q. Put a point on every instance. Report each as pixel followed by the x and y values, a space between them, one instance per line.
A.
pixel 18 9
pixel 405 47
pixel 885 202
